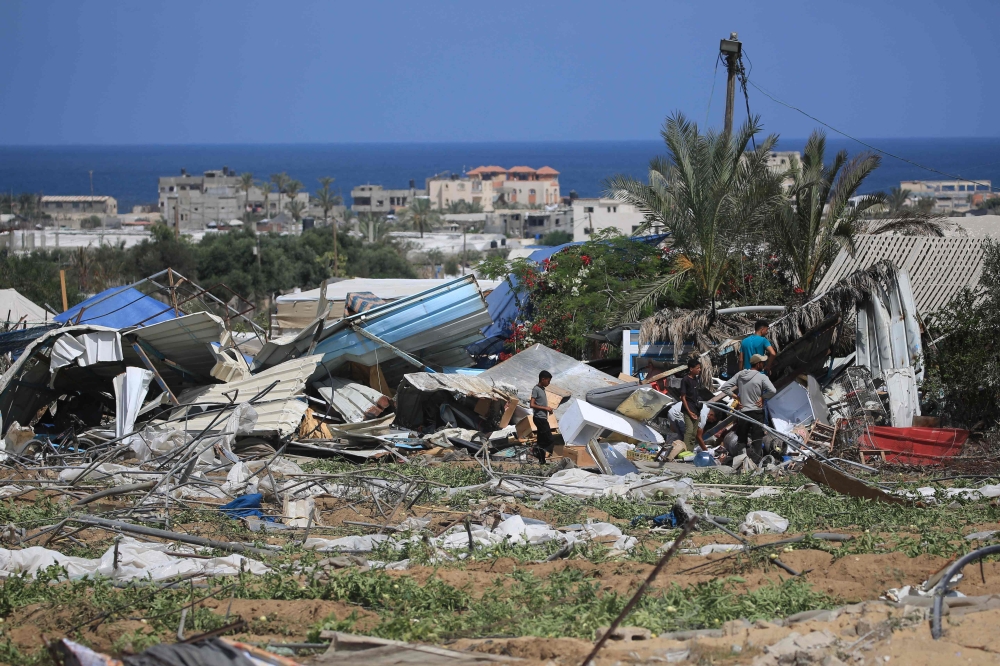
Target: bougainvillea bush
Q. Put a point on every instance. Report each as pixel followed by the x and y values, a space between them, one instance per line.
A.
pixel 581 289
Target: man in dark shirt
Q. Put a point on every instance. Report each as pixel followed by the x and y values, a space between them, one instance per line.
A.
pixel 692 402
pixel 540 411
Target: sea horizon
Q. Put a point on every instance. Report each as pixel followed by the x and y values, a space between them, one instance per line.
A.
pixel 129 172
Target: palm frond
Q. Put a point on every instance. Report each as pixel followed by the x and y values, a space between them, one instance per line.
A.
pixel 641 298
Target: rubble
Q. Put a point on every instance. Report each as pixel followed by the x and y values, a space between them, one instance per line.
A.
pixel 367 443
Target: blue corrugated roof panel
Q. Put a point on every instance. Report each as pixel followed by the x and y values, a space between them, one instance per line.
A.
pixel 434 326
pixel 118 307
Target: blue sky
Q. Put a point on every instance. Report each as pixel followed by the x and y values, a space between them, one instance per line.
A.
pixel 179 72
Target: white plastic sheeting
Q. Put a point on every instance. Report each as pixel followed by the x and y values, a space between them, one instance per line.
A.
pixel 136 560
pixel 130 391
pixel 580 483
pixel 514 529
pixel 764 522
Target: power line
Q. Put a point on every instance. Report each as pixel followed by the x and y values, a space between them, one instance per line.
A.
pixel 715 75
pixel 866 144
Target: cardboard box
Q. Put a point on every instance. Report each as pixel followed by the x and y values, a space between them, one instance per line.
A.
pixel 483 406
pixel 578 454
pixel 526 426
pixel 508 413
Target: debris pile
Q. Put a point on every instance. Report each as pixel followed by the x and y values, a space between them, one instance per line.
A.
pixel 168 439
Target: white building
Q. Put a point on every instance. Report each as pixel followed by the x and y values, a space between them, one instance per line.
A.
pixel 592 215
pixel 948 195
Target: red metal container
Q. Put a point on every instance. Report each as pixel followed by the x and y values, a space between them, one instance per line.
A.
pixel 914 446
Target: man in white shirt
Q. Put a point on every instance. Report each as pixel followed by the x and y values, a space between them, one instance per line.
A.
pixel 676 417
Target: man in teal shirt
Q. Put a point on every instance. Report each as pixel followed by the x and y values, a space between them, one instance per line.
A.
pixel 757 344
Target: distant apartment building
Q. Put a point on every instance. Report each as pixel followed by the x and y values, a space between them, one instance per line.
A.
pixel 215 196
pixel 949 195
pixel 592 215
pixel 529 222
pixel 377 199
pixel 496 187
pixel 78 207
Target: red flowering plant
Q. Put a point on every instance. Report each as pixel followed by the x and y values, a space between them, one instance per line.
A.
pixel 579 290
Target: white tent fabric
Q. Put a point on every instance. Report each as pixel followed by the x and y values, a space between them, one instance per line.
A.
pixel 14 306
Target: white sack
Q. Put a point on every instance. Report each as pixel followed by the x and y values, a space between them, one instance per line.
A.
pixel 763 522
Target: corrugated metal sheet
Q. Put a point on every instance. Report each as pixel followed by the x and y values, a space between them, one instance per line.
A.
pixel 118 307
pixel 473 386
pixel 355 402
pixel 939 268
pixel 435 326
pixel 290 377
pixel 185 340
pixel 278 417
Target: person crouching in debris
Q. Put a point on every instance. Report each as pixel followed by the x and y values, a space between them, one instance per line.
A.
pixel 753 387
pixel 707 416
pixel 540 414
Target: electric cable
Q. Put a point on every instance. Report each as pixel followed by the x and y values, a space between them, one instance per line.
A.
pixel 866 144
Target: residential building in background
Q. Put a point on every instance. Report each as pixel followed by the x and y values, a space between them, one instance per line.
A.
pixel 949 195
pixel 196 202
pixel 592 215
pixel 78 207
pixel 780 161
pixel 377 199
pixel 496 187
pixel 449 189
pixel 529 222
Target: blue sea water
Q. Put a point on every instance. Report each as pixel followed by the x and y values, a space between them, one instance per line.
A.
pixel 129 173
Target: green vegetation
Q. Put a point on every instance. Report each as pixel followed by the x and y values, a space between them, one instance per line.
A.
pixel 963 381
pixel 579 290
pixel 286 262
pixel 564 603
pixel 557 238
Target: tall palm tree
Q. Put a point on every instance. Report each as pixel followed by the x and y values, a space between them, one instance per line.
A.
pixel 265 190
pixel 420 215
pixel 712 193
pixel 371 226
pixel 897 200
pixel 818 216
pixel 292 189
pixel 246 184
pixel 296 208
pixel 280 180
pixel 327 200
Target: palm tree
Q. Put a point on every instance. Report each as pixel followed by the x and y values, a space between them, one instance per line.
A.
pixel 265 190
pixel 897 200
pixel 818 217
pixel 712 193
pixel 292 189
pixel 296 208
pixel 246 184
pixel 280 180
pixel 26 204
pixel 420 215
pixel 371 226
pixel 327 200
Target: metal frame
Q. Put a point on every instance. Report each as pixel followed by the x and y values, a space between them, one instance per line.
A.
pixel 179 286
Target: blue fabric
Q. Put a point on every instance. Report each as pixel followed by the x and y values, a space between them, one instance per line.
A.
pixel 118 307
pixel 754 344
pixel 244 506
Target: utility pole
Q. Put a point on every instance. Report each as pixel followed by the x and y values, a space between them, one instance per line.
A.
pixel 731 49
pixel 177 217
pixel 465 234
